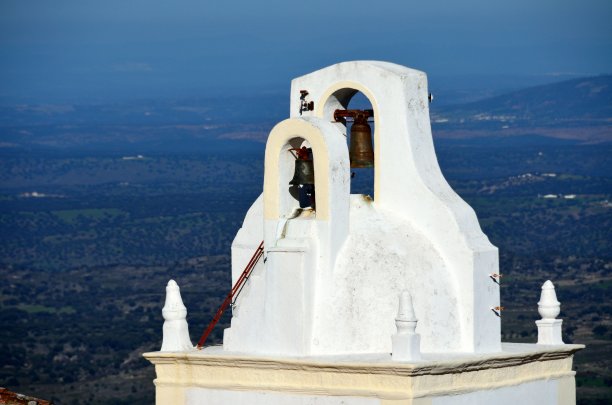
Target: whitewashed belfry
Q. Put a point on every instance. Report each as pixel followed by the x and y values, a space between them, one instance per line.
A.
pixel 331 278
pixel 317 271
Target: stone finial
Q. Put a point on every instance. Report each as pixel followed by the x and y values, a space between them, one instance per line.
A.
pixel 549 328
pixel 406 319
pixel 406 343
pixel 176 330
pixel 548 306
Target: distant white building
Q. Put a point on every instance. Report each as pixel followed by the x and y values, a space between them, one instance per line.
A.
pixel 137 157
pixel 36 194
pixel 33 194
pixel 320 319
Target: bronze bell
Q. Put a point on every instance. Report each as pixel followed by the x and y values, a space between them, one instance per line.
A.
pixel 361 152
pixel 304 172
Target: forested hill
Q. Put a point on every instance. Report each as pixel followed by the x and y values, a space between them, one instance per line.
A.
pixel 579 109
pixel 582 108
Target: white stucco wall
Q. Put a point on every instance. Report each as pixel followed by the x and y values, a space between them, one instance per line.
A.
pixel 201 396
pixel 520 373
pixel 383 256
pixel 542 392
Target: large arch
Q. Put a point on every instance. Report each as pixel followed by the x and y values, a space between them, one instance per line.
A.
pixel 337 96
pixel 408 179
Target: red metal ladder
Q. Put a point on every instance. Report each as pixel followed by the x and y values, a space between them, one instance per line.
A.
pixel 233 293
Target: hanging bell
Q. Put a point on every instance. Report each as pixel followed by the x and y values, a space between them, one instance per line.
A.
pixel 361 152
pixel 304 172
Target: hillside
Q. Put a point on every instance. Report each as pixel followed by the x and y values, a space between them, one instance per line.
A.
pixel 100 205
pixel 579 109
pixel 88 243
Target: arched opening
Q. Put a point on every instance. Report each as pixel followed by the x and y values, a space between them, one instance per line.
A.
pixel 362 178
pixel 350 99
pixel 330 161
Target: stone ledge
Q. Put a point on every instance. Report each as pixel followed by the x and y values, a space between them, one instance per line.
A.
pixel 364 375
pixel 513 354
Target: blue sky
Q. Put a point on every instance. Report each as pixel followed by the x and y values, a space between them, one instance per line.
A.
pixel 116 49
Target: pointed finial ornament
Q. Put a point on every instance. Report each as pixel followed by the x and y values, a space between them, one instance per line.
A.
pixel 548 306
pixel 406 343
pixel 549 328
pixel 176 330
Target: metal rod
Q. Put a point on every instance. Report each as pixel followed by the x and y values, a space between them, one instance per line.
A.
pixel 228 299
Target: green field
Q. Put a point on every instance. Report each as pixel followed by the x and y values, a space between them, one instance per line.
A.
pixel 85 272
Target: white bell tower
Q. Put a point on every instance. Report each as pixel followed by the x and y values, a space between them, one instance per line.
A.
pixel 332 275
pixel 364 300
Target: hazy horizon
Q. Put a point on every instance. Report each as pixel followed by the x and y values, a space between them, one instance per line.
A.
pixel 71 51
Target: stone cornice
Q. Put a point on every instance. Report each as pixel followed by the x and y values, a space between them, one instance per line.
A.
pixel 425 367
pixel 362 376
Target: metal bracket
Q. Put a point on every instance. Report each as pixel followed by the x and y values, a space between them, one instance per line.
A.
pixel 305 105
pixel 497 311
pixel 495 277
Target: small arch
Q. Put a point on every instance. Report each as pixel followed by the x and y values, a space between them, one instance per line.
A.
pixel 330 164
pixel 331 172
